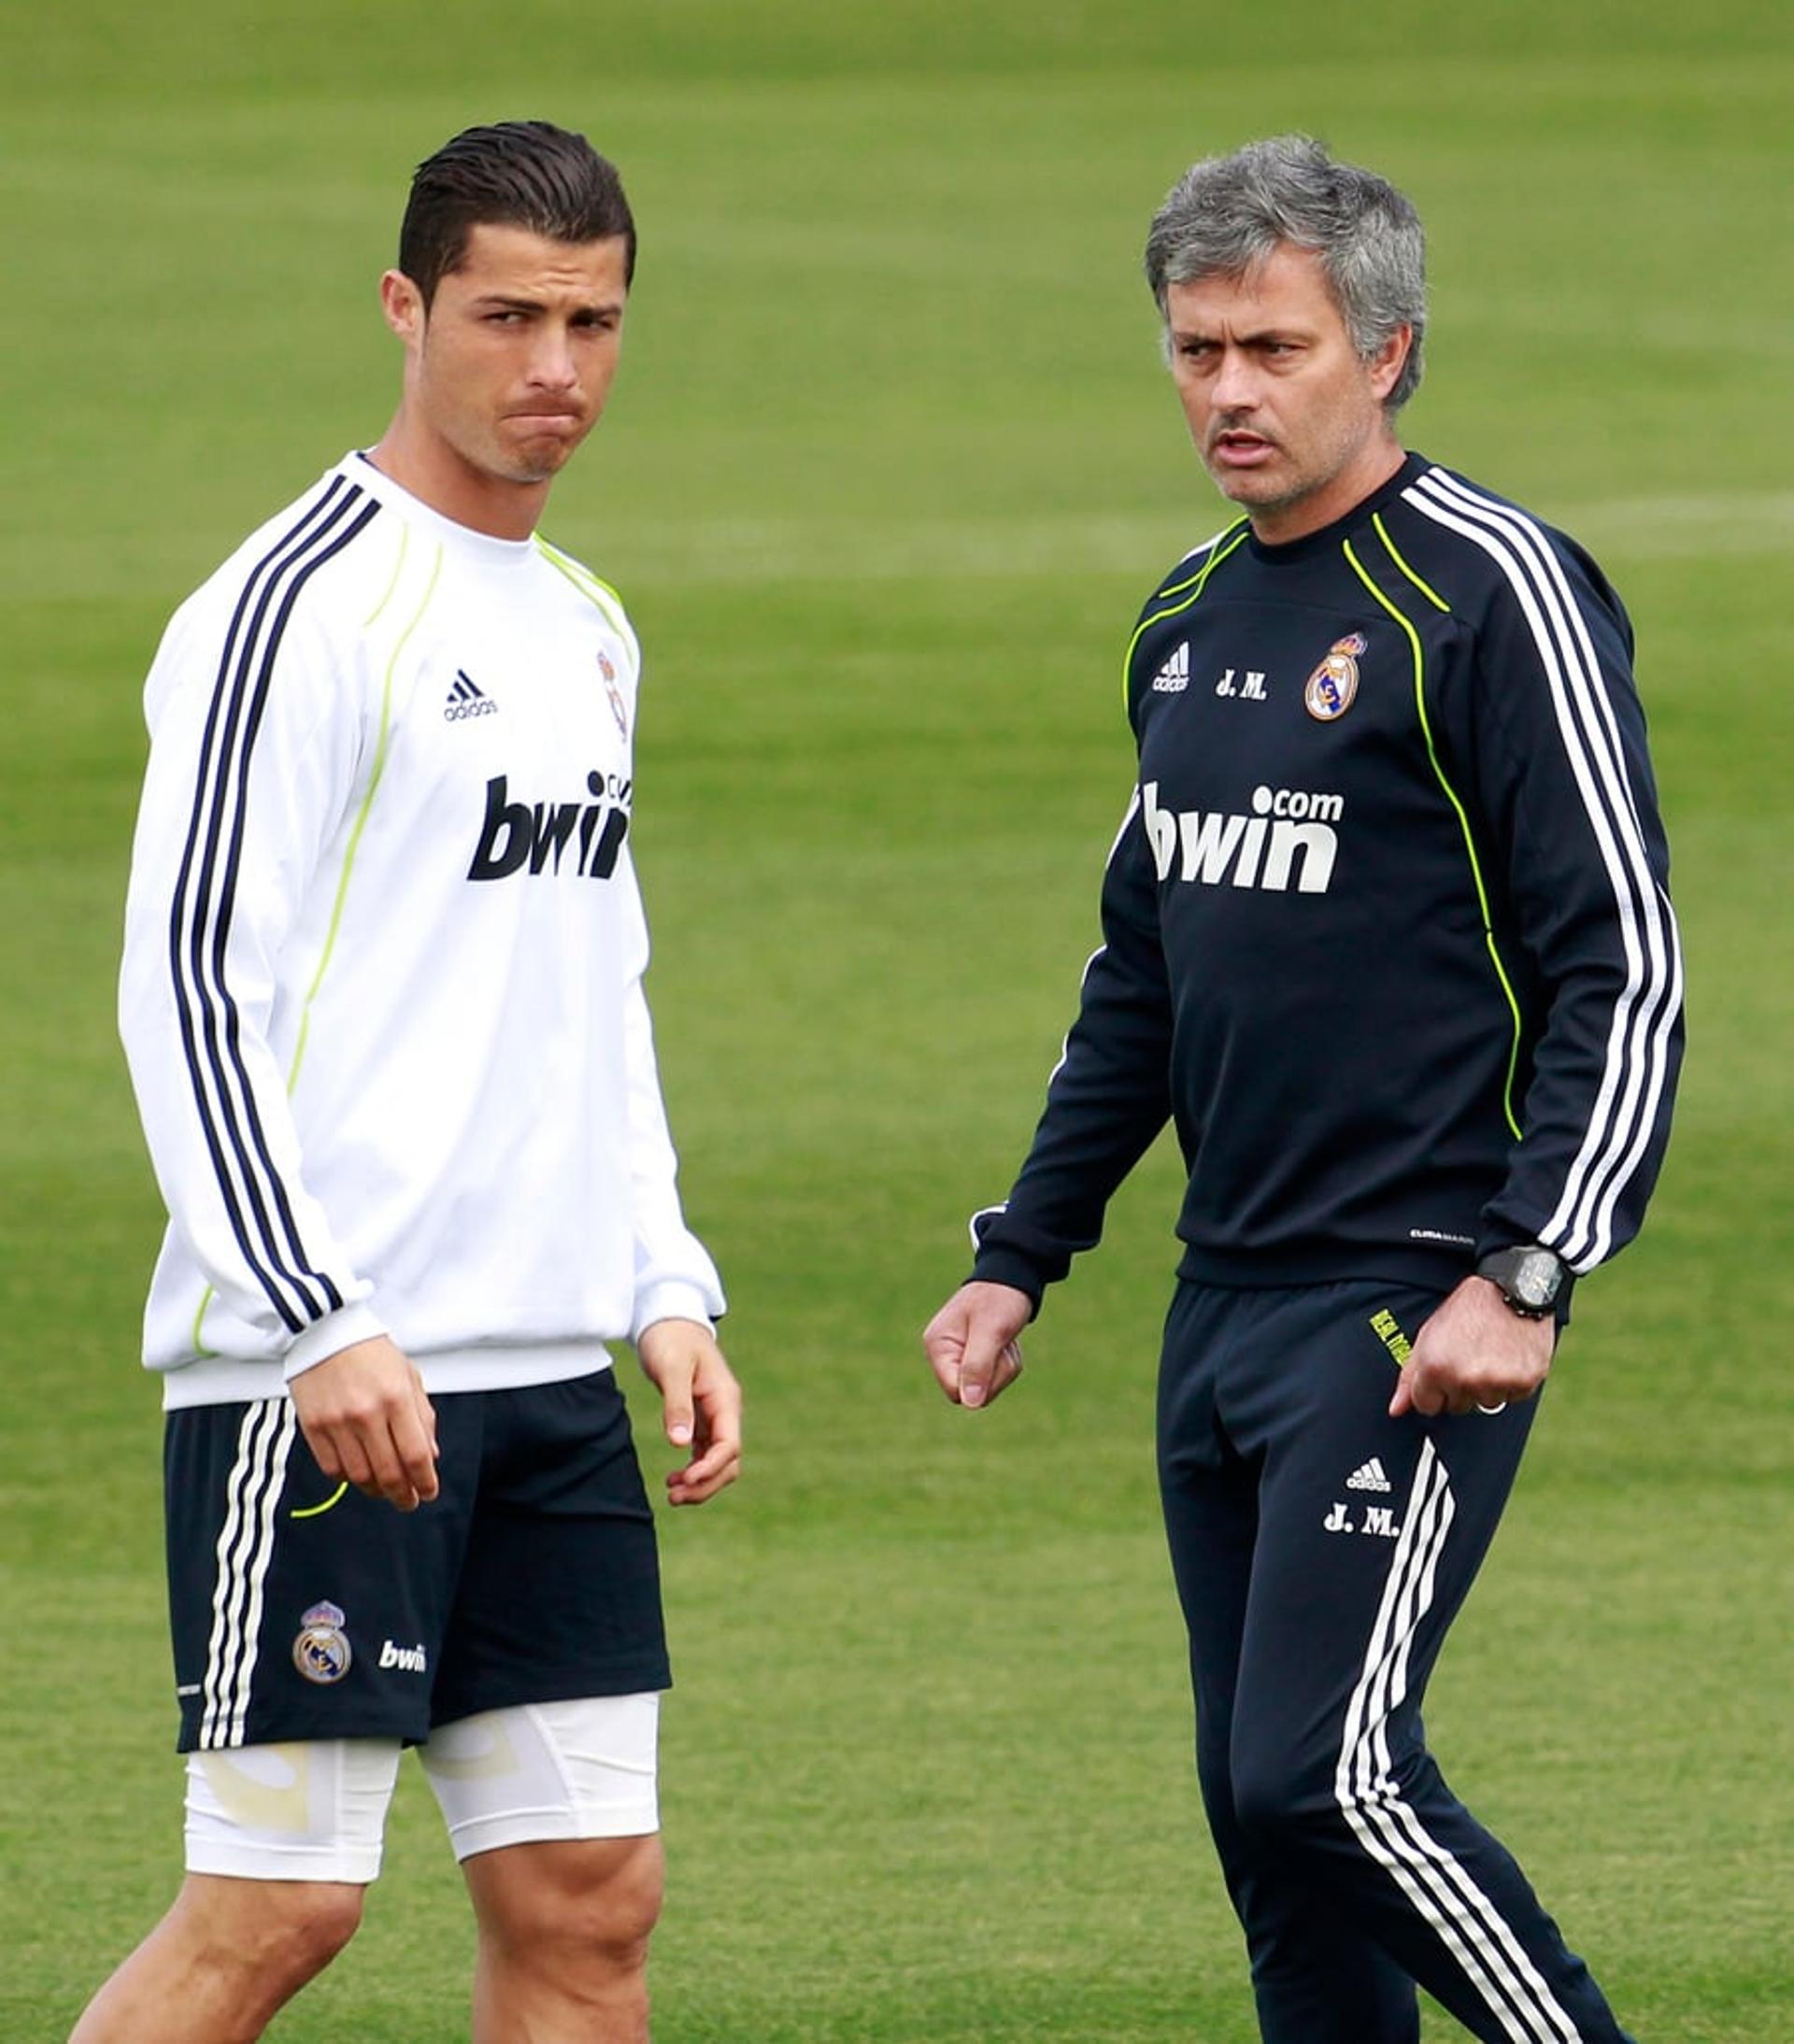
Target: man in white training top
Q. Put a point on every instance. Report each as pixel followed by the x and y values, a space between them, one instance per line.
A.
pixel 382 1002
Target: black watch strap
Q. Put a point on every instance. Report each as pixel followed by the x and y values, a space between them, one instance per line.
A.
pixel 1529 1276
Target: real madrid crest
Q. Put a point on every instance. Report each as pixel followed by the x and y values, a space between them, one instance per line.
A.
pixel 607 667
pixel 321 1653
pixel 1333 685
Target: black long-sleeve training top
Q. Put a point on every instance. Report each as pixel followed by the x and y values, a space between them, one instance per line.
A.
pixel 1385 927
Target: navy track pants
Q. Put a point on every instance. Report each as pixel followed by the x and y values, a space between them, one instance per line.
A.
pixel 1320 1550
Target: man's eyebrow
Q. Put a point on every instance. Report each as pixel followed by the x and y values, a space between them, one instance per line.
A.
pixel 498 300
pixel 1272 330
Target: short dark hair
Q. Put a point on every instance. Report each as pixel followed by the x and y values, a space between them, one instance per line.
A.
pixel 514 174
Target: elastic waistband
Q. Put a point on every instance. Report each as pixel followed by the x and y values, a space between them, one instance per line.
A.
pixel 1437 1269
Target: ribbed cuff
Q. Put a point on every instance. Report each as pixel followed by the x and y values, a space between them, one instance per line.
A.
pixel 325 1338
pixel 670 1300
pixel 997 1266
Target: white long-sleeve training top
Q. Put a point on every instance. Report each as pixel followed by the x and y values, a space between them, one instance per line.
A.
pixel 382 986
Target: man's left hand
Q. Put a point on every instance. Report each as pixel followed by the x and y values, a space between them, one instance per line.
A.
pixel 700 1402
pixel 1473 1352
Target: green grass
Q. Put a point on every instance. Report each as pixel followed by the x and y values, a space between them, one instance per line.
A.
pixel 891 464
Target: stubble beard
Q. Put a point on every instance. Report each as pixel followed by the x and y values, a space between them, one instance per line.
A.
pixel 1258 491
pixel 531 466
pixel 1271 494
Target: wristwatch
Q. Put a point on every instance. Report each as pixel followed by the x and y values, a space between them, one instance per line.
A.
pixel 1529 1277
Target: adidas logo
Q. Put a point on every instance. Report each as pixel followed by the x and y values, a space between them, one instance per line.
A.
pixel 467 698
pixel 1172 678
pixel 1369 1477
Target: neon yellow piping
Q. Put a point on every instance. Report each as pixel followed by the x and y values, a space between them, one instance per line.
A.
pixel 1234 537
pixel 361 818
pixel 1177 588
pixel 398 569
pixel 1463 823
pixel 566 562
pixel 1432 594
pixel 317 1512
pixel 589 584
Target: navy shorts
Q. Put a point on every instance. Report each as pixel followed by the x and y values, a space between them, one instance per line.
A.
pixel 302 1609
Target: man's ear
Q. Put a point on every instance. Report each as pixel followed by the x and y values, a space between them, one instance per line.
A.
pixel 401 302
pixel 1389 361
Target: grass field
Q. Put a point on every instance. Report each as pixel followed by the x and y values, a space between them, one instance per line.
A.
pixel 891 464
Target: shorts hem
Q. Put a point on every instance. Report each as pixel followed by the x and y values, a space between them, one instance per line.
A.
pixel 312 1732
pixel 640 1820
pixel 246 1862
pixel 638 1680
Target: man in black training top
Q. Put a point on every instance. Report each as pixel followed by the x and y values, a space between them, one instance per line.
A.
pixel 1385 932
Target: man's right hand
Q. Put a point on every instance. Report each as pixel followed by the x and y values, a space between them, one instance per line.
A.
pixel 368 1422
pixel 974 1341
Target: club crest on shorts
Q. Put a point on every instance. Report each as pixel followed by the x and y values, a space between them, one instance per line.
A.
pixel 1333 685
pixel 607 667
pixel 321 1653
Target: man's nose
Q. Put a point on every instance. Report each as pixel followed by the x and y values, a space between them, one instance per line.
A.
pixel 1235 388
pixel 551 364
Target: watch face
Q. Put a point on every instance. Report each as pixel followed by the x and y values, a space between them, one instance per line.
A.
pixel 1537 1276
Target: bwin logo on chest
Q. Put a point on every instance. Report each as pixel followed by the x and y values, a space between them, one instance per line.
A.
pixel 1287 839
pixel 538 836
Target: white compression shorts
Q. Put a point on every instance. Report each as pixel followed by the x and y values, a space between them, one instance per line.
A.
pixel 317 1810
